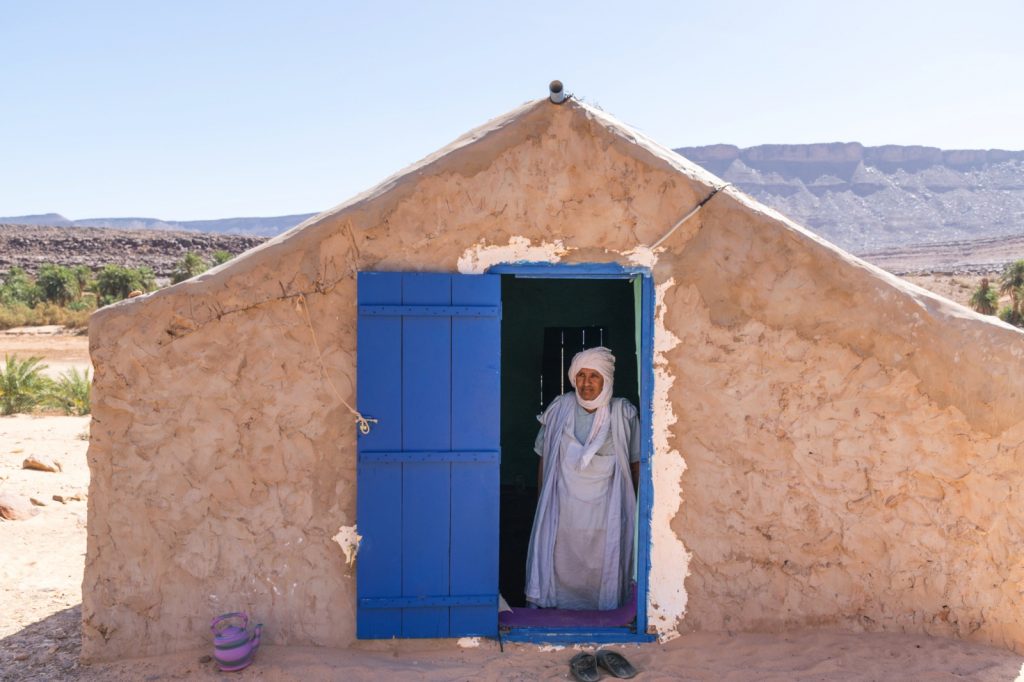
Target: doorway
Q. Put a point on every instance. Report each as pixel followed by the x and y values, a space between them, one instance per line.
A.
pixel 545 322
pixel 548 315
pixel 431 476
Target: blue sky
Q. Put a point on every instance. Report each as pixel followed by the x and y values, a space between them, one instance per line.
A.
pixel 190 110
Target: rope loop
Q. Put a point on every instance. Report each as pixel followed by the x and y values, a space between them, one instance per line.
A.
pixel 364 423
pixel 361 421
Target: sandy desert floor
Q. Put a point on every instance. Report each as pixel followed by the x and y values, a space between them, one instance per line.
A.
pixel 59 350
pixel 41 562
pixel 954 287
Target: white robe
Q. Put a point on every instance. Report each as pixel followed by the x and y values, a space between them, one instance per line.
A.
pixel 581 547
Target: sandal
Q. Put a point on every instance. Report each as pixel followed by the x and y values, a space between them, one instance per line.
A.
pixel 616 664
pixel 583 667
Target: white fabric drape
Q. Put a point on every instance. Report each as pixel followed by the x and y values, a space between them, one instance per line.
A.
pixel 581 547
pixel 601 360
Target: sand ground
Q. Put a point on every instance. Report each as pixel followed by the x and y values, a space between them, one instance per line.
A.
pixel 58 349
pixel 955 287
pixel 41 562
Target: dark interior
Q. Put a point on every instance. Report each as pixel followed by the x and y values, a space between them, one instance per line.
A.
pixel 544 323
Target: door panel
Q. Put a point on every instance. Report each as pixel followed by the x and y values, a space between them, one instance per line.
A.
pixel 429 371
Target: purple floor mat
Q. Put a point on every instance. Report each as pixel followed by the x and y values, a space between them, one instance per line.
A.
pixel 523 617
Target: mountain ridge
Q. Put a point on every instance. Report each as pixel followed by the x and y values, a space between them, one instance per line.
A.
pixel 865 199
pixel 862 198
pixel 250 226
pixel 888 157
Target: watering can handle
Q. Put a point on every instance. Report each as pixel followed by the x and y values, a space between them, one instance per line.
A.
pixel 228 616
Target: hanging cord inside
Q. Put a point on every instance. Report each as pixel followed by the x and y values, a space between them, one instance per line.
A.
pixel 363 422
pixel 689 215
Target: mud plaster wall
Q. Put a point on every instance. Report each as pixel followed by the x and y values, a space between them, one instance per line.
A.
pixel 837 474
pixel 222 462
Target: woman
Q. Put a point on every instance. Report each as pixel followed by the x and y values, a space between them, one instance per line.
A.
pixel 581 547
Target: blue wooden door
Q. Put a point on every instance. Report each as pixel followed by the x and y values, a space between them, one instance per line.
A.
pixel 429 350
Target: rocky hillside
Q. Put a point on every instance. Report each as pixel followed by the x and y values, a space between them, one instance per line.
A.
pixel 30 246
pixel 870 198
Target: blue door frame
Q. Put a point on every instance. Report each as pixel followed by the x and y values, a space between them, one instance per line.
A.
pixel 646 376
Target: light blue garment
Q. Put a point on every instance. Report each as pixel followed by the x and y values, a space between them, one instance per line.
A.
pixel 581 547
pixel 584 421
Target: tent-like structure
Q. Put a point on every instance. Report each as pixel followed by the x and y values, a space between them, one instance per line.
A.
pixel 825 444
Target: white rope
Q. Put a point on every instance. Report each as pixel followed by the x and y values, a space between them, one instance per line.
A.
pixel 689 215
pixel 363 422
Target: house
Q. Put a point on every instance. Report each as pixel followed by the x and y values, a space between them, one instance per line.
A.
pixel 825 445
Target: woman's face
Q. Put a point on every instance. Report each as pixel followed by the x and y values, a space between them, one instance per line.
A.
pixel 589 383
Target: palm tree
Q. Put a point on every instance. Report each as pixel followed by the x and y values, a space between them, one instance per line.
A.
pixel 58 284
pixel 22 384
pixel 984 299
pixel 83 275
pixel 189 266
pixel 1011 282
pixel 116 282
pixel 69 392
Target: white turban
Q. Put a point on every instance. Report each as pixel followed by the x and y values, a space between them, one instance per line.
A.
pixel 601 360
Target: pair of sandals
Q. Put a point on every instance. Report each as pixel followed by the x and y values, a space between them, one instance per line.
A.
pixel 584 666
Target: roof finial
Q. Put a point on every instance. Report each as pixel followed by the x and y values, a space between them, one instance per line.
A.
pixel 557 92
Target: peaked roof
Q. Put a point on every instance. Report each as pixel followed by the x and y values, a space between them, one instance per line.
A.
pixel 478 149
pixel 466 149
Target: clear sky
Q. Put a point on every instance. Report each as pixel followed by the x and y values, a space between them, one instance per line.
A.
pixel 211 109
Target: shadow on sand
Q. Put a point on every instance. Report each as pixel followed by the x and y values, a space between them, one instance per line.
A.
pixel 45 650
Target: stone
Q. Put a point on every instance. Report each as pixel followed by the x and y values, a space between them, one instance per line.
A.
pixel 15 508
pixel 42 463
pixel 37 502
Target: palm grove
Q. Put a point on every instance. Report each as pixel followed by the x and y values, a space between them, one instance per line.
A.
pixel 68 295
pixel 985 298
pixel 62 295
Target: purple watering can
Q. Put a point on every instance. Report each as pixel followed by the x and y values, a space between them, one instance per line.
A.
pixel 234 646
